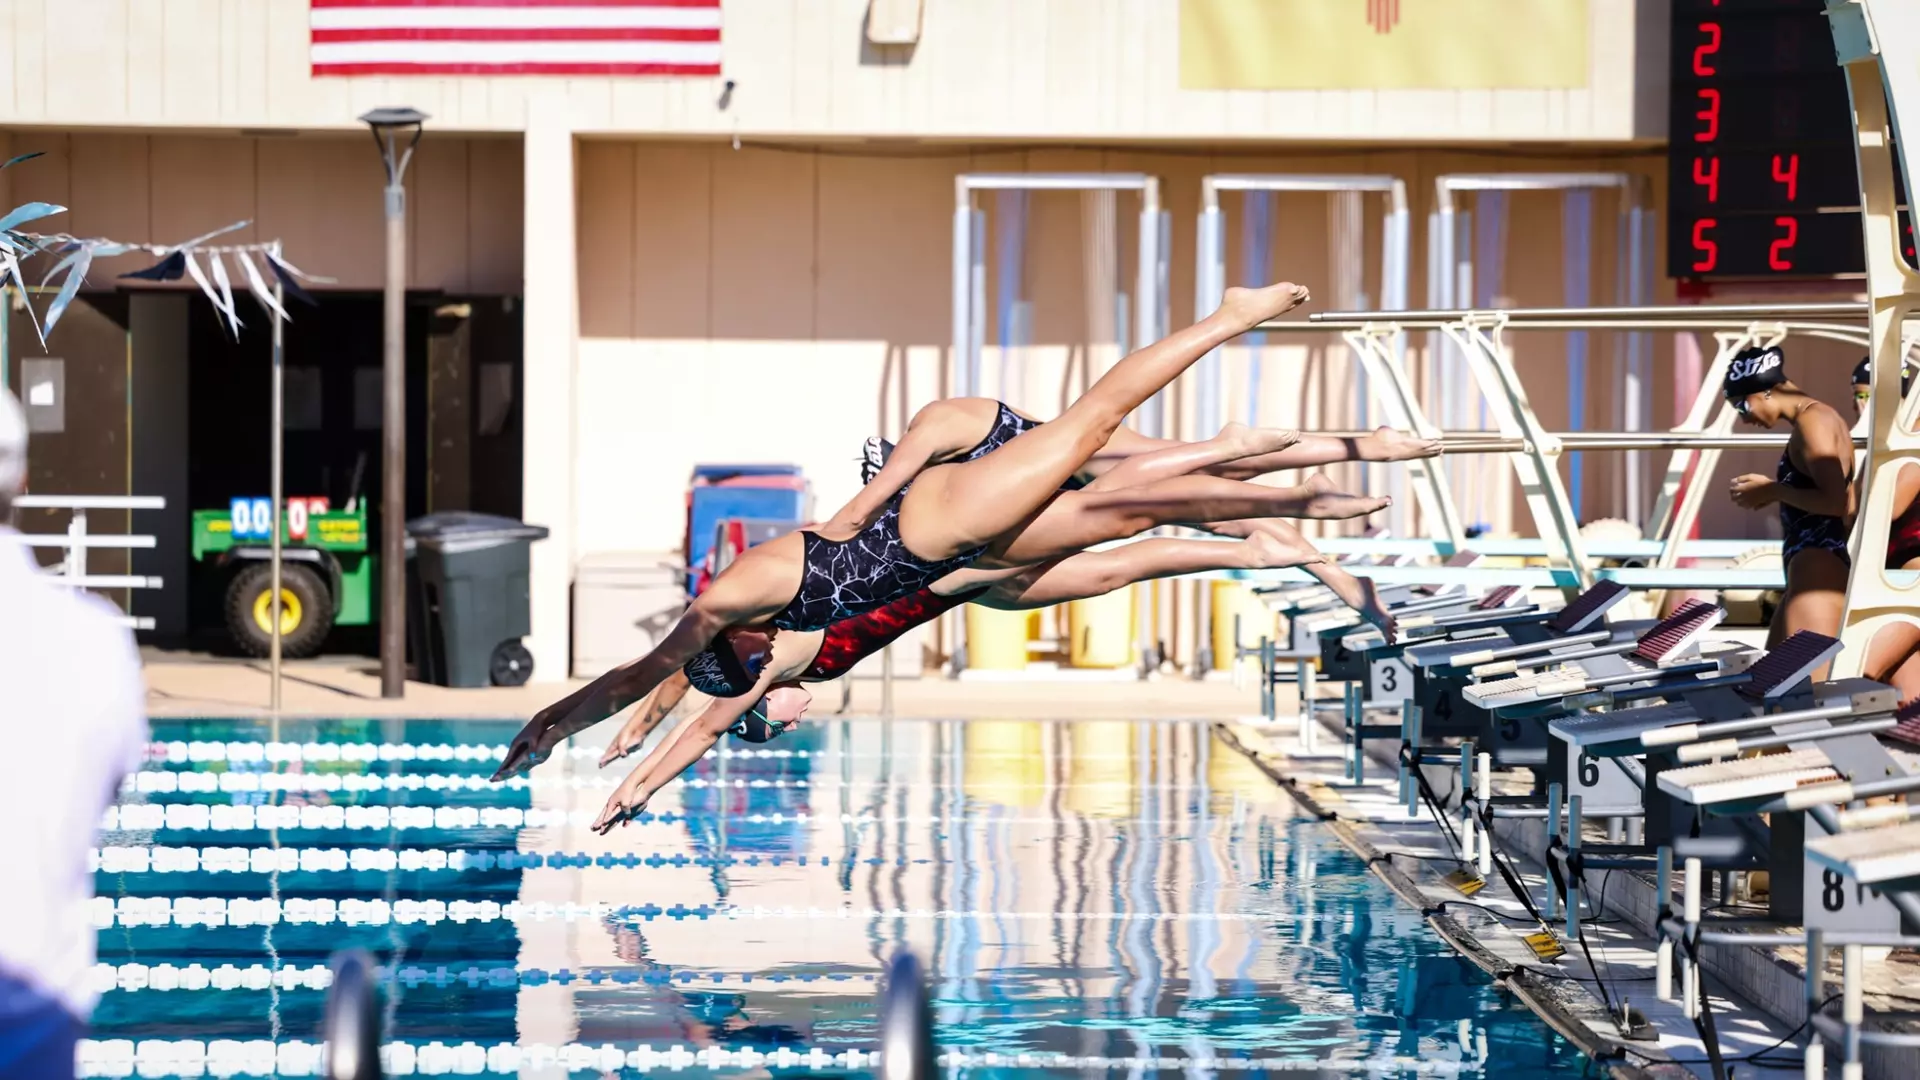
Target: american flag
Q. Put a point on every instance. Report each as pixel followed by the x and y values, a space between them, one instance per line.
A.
pixel 516 37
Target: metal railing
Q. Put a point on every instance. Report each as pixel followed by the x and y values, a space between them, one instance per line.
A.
pixel 77 541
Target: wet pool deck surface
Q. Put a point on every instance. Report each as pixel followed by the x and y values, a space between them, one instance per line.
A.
pixel 1100 896
pixel 1370 817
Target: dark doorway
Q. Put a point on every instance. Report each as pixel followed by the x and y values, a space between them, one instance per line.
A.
pixel 333 413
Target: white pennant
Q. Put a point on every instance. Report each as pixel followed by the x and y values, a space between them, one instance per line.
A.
pixel 258 286
pixel 226 289
pixel 200 278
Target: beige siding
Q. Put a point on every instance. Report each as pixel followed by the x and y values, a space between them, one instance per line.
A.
pixel 761 305
pixel 319 195
pixel 1013 69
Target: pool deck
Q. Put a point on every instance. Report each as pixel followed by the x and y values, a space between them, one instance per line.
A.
pixel 183 685
pixel 1758 996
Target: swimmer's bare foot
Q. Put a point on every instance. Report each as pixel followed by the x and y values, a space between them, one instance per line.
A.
pixel 1374 610
pixel 1265 551
pixel 1326 502
pixel 1387 444
pixel 1251 307
pixel 1243 441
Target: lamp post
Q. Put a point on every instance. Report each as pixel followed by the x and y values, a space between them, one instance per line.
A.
pixel 391 127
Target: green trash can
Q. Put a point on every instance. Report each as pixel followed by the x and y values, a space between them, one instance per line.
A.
pixel 467 603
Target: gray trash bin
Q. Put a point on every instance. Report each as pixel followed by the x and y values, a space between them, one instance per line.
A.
pixel 467 603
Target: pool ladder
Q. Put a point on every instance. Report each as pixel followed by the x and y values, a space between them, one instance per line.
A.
pixel 353 1019
pixel 906 1021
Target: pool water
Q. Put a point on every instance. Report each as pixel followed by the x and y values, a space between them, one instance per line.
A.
pixel 1099 896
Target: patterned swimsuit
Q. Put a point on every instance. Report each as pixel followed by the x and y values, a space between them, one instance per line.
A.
pixel 1800 530
pixel 848 642
pixel 1006 425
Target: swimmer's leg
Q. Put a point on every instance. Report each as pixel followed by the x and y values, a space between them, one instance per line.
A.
pixel 957 507
pixel 1816 598
pixel 1385 444
pixel 1358 593
pixel 1080 519
pixel 1234 442
pixel 1094 573
pixel 1893 649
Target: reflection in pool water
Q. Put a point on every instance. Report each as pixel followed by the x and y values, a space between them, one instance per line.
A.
pixel 1084 894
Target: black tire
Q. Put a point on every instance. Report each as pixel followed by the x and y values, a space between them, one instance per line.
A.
pixel 511 664
pixel 308 617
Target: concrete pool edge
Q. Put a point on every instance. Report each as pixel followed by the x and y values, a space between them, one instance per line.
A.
pixel 1546 1002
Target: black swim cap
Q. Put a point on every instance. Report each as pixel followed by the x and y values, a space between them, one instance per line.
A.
pixel 716 672
pixel 755 727
pixel 1863 374
pixel 1755 370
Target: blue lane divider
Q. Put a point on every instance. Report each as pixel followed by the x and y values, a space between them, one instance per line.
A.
pixel 474 976
pixel 116 860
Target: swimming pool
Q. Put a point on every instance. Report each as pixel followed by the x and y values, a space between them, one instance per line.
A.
pixel 1097 896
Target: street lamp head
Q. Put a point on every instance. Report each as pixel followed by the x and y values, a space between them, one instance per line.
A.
pixel 394 117
pixel 388 125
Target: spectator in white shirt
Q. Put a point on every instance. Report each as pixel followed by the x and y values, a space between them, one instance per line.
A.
pixel 73 707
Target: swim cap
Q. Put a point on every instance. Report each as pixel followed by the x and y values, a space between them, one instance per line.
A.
pixel 13 444
pixel 1755 370
pixel 1863 374
pixel 755 727
pixel 716 672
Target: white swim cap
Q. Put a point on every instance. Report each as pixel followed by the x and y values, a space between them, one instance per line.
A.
pixel 13 444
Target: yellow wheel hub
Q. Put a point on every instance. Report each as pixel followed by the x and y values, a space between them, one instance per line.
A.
pixel 289 612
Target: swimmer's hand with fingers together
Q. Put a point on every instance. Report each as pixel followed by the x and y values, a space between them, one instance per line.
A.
pixel 623 686
pixel 647 717
pixel 1753 491
pixel 627 802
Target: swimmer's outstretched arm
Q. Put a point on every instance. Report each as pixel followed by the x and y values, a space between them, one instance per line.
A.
pixel 675 754
pixel 654 709
pixel 747 592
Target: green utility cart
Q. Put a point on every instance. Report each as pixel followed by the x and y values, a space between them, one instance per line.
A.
pixel 326 574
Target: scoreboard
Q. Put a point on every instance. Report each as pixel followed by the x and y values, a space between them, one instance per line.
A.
pixel 1761 180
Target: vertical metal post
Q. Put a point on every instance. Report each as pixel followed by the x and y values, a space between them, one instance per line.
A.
pixel 276 492
pixel 1483 800
pixel 1356 715
pixel 393 432
pixel 1574 819
pixel 1852 1012
pixel 1663 951
pixel 886 683
pixel 1555 793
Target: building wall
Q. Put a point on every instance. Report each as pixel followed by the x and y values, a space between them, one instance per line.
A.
pixel 1002 69
pixel 762 304
pixel 320 195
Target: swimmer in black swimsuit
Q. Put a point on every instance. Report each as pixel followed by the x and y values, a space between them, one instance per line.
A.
pixel 1813 487
pixel 965 428
pixel 823 655
pixel 1001 510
